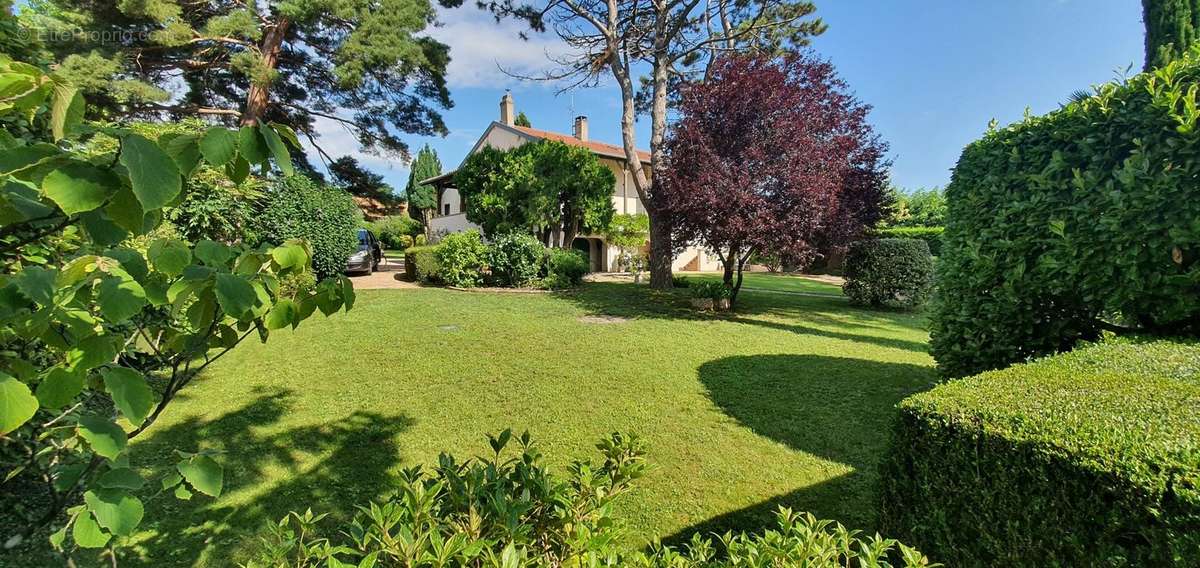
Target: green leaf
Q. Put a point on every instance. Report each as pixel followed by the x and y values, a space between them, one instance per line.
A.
pixel 115 510
pixel 287 134
pixel 92 352
pixel 80 186
pixel 17 403
pixel 169 256
pixel 131 261
pixel 290 256
pixel 101 229
pixel 120 297
pixel 121 478
pixel 238 170
pixel 171 480
pixel 213 253
pixel 251 145
pixel 282 158
pixel 66 111
pixel 38 284
pixel 153 173
pixel 130 392
pixel 219 145
pixel 282 315
pixel 103 435
pixel 203 473
pixel 126 211
pixel 87 533
pixel 182 493
pixel 235 294
pixel 59 388
pixel 183 150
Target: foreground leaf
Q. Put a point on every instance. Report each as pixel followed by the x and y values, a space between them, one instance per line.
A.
pixel 115 510
pixel 103 435
pixel 17 403
pixel 79 186
pixel 130 393
pixel 203 473
pixel 153 174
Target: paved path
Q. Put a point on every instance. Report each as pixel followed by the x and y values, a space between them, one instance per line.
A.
pixel 388 275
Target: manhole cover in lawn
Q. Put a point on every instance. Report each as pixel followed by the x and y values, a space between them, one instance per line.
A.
pixel 601 319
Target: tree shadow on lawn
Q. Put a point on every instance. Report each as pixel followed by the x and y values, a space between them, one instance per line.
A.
pixel 763 309
pixel 359 452
pixel 835 408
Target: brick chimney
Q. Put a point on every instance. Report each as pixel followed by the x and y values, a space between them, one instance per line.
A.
pixel 507 116
pixel 581 128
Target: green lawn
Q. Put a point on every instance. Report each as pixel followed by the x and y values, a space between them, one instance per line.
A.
pixel 786 403
pixel 775 282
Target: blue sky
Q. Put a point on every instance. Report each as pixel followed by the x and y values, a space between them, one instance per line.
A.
pixel 935 71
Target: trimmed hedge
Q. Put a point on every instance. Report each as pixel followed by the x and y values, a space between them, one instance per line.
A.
pixel 297 207
pixel 931 235
pixel 1066 223
pixel 1090 458
pixel 888 272
pixel 421 264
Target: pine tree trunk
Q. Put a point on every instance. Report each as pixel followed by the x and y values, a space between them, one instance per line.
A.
pixel 258 97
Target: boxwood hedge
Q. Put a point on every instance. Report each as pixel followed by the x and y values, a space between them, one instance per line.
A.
pixel 931 235
pixel 888 272
pixel 1065 224
pixel 1090 458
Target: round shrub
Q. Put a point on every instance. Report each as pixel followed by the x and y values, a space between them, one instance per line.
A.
pixel 889 272
pixel 565 267
pixel 515 259
pixel 396 231
pixel 299 208
pixel 462 257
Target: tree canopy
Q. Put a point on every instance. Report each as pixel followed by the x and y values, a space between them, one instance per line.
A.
pixel 422 199
pixel 549 189
pixel 362 64
pixel 1172 26
pixel 771 155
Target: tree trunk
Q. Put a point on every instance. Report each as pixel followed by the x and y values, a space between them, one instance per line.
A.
pixel 660 254
pixel 258 97
pixel 570 230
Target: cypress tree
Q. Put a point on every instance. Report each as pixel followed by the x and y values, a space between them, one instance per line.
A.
pixel 423 198
pixel 1171 28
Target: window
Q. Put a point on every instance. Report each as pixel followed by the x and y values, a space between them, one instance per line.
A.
pixel 446 209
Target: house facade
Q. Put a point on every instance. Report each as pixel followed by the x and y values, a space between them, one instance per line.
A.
pixel 504 134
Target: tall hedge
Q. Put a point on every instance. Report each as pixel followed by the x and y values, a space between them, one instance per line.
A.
pixel 299 208
pixel 888 272
pixel 1064 224
pixel 1089 458
pixel 931 235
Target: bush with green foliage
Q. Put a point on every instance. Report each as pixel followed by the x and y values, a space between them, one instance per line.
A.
pixel 680 281
pixel 462 258
pixel 894 273
pixel 564 268
pixel 1074 222
pixel 920 208
pixel 711 290
pixel 97 338
pixel 298 207
pixel 515 259
pixel 395 232
pixel 931 235
pixel 511 511
pixel 1089 458
pixel 421 264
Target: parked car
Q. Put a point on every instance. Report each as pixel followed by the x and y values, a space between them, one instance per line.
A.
pixel 368 256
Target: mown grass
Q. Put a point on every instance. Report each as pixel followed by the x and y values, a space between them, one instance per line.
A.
pixel 785 403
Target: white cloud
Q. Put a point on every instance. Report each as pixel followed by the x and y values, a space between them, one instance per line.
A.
pixel 480 47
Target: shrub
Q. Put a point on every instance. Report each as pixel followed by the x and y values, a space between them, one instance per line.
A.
pixel 1090 458
pixel 395 231
pixel 299 208
pixel 421 264
pixel 515 259
pixel 711 289
pixel 680 281
pixel 513 511
pixel 931 235
pixel 1072 222
pixel 566 267
pixel 888 272
pixel 462 258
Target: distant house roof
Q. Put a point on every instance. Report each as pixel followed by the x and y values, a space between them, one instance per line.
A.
pixel 598 148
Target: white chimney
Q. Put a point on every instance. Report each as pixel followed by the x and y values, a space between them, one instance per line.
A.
pixel 581 128
pixel 507 116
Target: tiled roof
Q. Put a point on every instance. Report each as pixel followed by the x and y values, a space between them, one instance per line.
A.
pixel 597 147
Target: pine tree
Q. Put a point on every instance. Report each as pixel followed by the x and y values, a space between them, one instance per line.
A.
pixel 423 198
pixel 523 120
pixel 1171 28
pixel 365 64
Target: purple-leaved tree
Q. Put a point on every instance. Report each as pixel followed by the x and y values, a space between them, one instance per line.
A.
pixel 772 155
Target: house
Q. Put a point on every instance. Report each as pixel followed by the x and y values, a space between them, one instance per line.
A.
pixel 504 134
